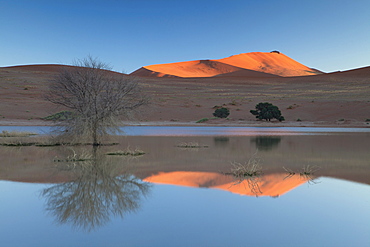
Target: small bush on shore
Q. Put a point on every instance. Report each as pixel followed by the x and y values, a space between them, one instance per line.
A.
pixel 221 112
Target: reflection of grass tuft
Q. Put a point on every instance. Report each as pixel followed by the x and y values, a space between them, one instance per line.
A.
pixel 309 170
pixel 84 156
pixel 17 144
pixel 307 173
pixel 55 144
pixel 127 152
pixel 190 145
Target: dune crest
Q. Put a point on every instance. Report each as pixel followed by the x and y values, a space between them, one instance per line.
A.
pixel 254 64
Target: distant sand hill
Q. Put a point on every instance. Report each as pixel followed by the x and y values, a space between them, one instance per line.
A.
pixel 253 65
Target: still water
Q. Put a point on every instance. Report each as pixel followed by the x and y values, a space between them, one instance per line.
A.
pixel 302 188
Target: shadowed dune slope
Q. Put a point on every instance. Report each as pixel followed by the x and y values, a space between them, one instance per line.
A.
pixel 48 68
pixel 254 64
pixel 349 76
pixel 354 73
pixel 150 73
pixel 40 67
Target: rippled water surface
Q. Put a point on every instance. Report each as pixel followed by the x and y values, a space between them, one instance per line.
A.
pixel 193 186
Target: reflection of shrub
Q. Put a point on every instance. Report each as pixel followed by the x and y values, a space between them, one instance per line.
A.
pixel 266 143
pixel 221 141
pixel 221 112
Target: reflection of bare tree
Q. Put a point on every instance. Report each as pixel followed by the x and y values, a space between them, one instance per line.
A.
pixel 100 189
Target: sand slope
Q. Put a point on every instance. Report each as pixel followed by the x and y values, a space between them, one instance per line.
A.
pixel 40 67
pixel 353 73
pixel 254 64
pixel 318 99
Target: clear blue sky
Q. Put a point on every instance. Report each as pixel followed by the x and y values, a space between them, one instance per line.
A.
pixel 329 35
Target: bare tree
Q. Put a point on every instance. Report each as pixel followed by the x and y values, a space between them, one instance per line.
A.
pixel 97 97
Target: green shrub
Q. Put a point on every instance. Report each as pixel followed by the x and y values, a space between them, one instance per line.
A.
pixel 221 112
pixel 267 111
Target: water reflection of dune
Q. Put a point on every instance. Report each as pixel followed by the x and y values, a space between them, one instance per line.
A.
pixel 268 185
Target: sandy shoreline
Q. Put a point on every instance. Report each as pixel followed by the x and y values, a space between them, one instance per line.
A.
pixel 220 123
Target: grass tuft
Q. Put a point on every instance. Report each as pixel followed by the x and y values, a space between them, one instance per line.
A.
pixel 75 157
pixel 59 116
pixel 5 133
pixel 202 120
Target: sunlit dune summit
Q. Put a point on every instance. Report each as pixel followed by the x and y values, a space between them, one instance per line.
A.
pixel 274 63
pixel 267 185
pixel 253 64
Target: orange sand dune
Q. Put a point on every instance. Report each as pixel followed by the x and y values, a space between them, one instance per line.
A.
pixel 267 185
pixel 269 62
pixel 197 68
pixel 254 64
